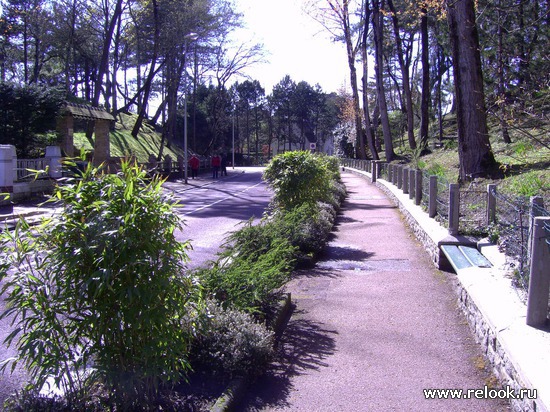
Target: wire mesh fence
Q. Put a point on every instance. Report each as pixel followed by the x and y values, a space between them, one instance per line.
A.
pixel 511 228
pixel 425 200
pixel 473 212
pixel 442 200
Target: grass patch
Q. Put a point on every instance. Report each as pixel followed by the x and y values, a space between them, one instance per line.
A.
pixel 123 144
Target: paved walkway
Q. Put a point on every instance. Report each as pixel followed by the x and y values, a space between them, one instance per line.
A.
pixel 375 323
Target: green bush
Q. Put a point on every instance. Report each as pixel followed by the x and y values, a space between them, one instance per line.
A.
pixel 26 112
pixel 101 285
pixel 299 177
pixel 254 264
pixel 231 343
pixel 306 227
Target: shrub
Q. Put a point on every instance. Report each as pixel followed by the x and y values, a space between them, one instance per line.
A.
pixel 299 177
pixel 306 227
pixel 254 264
pixel 231 343
pixel 104 285
pixel 26 112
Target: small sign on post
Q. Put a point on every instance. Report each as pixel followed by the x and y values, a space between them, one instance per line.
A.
pixel 312 146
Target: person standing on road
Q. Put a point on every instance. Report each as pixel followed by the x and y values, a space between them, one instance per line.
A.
pixel 224 165
pixel 194 163
pixel 216 162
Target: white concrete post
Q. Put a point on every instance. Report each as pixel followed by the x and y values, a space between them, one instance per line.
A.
pixel 8 165
pixel 454 208
pixel 539 278
pixel 53 159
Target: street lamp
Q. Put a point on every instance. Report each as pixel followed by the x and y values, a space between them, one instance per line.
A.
pixel 233 141
pixel 188 38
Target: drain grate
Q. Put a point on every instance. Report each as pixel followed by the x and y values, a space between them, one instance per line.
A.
pixel 366 266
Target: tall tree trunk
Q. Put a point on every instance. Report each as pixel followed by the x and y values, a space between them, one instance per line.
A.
pixel 474 149
pixel 116 63
pixel 369 126
pixel 69 48
pixel 501 83
pixel 106 48
pixel 149 81
pixel 342 13
pixel 104 62
pixel 406 82
pixel 378 31
pixel 425 99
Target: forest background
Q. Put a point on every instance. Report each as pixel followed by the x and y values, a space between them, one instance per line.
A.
pixel 455 75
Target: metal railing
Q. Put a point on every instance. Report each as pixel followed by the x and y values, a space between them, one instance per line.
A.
pixel 25 169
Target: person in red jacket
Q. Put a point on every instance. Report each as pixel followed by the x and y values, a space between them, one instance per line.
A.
pixel 216 162
pixel 194 163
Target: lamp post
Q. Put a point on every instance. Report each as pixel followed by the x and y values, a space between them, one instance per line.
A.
pixel 233 143
pixel 188 38
pixel 185 160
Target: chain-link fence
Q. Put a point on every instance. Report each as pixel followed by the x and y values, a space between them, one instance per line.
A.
pixel 473 212
pixel 512 227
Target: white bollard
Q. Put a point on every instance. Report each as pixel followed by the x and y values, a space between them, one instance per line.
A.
pixel 8 165
pixel 53 159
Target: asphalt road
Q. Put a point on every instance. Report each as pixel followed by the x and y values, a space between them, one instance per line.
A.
pixel 210 210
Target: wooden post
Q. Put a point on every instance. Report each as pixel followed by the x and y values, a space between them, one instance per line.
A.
pixel 432 202
pixel 454 208
pixel 539 281
pixel 491 204
pixel 412 184
pixel 418 187
pixel 405 180
pixel 400 177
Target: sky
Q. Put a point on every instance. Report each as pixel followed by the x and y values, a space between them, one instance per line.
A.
pixel 295 44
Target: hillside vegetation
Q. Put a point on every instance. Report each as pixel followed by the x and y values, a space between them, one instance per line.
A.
pixel 525 162
pixel 123 144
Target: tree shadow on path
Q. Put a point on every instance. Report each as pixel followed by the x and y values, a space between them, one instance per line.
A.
pixel 303 348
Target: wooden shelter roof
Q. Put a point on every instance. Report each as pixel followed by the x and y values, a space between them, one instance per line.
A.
pixel 84 111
